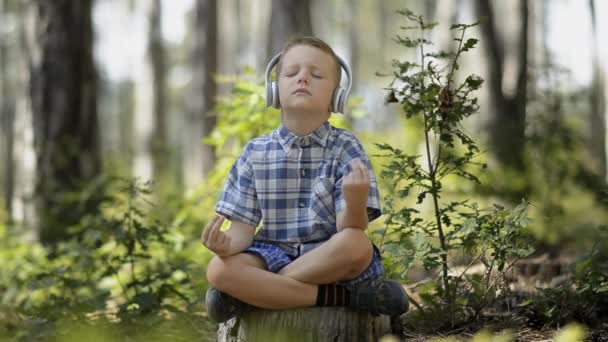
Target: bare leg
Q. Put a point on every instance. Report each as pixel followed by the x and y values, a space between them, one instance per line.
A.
pixel 242 276
pixel 343 257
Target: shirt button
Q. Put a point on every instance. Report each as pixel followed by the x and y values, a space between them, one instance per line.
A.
pixel 301 204
pixel 303 172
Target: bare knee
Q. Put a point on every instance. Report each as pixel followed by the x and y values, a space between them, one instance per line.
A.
pixel 223 271
pixel 217 272
pixel 354 245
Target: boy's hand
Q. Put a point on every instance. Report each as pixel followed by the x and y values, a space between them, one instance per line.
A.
pixel 214 239
pixel 355 186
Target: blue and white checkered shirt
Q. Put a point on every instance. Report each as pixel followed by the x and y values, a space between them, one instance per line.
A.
pixel 294 184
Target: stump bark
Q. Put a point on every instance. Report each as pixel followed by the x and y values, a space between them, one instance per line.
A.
pixel 309 324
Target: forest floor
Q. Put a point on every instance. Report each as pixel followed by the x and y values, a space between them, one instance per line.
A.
pixel 528 278
pixel 519 333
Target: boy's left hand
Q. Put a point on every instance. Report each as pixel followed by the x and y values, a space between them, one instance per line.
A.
pixel 355 186
pixel 213 238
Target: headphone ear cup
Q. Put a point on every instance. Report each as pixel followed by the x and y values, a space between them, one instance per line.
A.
pixel 269 92
pixel 276 103
pixel 337 100
pixel 272 95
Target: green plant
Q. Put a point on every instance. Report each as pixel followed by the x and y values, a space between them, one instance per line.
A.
pixel 570 333
pixel 117 262
pixel 141 255
pixel 583 298
pixel 495 236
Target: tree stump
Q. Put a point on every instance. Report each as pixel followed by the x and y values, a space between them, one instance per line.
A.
pixel 309 324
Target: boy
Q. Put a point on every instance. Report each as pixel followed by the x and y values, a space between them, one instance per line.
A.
pixel 313 186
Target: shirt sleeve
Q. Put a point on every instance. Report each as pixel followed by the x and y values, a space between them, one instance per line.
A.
pixel 239 199
pixel 354 150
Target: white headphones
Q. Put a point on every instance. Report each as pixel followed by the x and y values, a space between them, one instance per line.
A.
pixel 338 100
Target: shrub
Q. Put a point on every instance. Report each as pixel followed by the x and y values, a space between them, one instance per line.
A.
pixel 495 236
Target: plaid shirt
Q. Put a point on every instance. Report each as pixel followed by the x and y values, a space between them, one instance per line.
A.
pixel 294 185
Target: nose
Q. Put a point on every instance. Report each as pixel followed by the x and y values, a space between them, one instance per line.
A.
pixel 303 78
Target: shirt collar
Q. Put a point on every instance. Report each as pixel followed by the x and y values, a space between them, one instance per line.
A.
pixel 288 139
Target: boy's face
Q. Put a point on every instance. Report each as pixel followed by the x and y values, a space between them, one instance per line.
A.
pixel 306 81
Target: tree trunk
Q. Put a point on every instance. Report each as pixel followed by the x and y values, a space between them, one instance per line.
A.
pixel 209 87
pixel 509 111
pixel 24 157
pixel 144 118
pixel 447 12
pixel 199 157
pixel 597 120
pixel 430 11
pixel 306 325
pixel 156 54
pixel 385 17
pixel 354 45
pixel 288 18
pixel 63 95
pixel 7 114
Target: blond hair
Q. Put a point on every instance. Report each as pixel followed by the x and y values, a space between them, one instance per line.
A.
pixel 316 43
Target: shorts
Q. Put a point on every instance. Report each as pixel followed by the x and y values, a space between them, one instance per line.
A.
pixel 276 258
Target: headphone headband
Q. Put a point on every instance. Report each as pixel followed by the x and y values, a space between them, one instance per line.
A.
pixel 339 97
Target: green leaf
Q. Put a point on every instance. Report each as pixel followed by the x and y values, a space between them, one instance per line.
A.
pixel 379 232
pixel 430 26
pixel 474 82
pixel 602 289
pixel 468 227
pixel 469 44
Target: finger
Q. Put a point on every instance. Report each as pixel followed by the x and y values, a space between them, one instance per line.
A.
pixel 228 239
pixel 364 171
pixel 221 238
pixel 215 229
pixel 205 235
pixel 359 173
pixel 209 230
pixel 358 163
pixel 348 179
pixel 223 244
pixel 352 167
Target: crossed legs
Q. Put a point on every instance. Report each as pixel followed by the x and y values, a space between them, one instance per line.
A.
pixel 344 256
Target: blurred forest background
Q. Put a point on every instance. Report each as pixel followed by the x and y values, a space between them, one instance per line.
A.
pixel 93 93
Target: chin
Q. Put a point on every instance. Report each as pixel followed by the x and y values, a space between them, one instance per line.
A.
pixel 303 107
pixel 303 110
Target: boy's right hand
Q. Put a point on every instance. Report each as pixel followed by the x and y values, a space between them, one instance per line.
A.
pixel 213 238
pixel 355 186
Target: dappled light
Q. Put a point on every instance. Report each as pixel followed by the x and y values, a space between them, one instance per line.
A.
pixel 472 141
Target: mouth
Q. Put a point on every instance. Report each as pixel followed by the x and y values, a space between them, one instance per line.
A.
pixel 302 91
